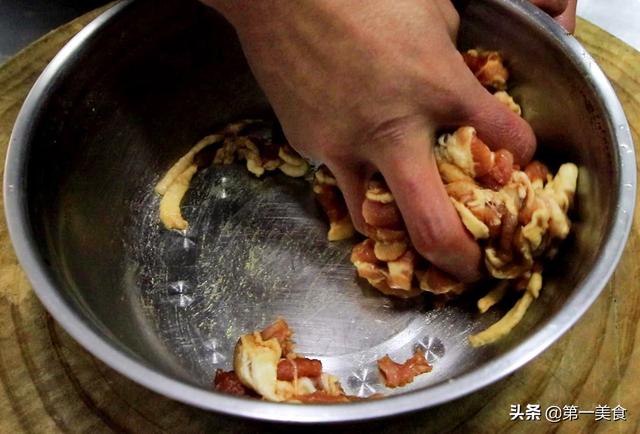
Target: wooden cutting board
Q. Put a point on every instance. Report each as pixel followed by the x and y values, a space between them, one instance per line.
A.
pixel 48 383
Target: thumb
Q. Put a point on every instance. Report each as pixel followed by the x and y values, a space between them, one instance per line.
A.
pixel 498 126
pixel 408 165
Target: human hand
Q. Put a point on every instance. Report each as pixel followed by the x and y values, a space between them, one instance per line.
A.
pixel 563 11
pixel 364 88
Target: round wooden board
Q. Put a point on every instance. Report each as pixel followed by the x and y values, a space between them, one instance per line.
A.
pixel 48 383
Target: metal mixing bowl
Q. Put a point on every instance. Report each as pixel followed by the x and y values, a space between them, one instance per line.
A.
pixel 136 88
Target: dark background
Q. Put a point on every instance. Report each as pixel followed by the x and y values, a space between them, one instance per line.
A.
pixel 23 21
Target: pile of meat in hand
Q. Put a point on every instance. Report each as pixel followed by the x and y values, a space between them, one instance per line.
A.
pixel 517 215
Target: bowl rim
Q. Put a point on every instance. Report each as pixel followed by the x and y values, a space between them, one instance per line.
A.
pixel 16 212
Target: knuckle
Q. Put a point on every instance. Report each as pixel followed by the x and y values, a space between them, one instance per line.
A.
pixel 391 133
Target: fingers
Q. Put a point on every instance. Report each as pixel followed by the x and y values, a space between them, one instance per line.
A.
pixel 408 165
pixel 352 181
pixel 552 7
pixel 563 11
pixel 567 19
pixel 499 127
pixel 496 124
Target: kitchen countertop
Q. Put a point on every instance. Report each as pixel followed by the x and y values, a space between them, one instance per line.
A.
pixel 23 21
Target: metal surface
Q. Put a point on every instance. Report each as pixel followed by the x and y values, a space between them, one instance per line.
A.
pixel 139 86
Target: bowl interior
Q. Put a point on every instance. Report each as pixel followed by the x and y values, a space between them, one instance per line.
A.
pixel 152 82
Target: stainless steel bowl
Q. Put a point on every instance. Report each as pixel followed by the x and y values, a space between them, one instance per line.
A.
pixel 147 79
